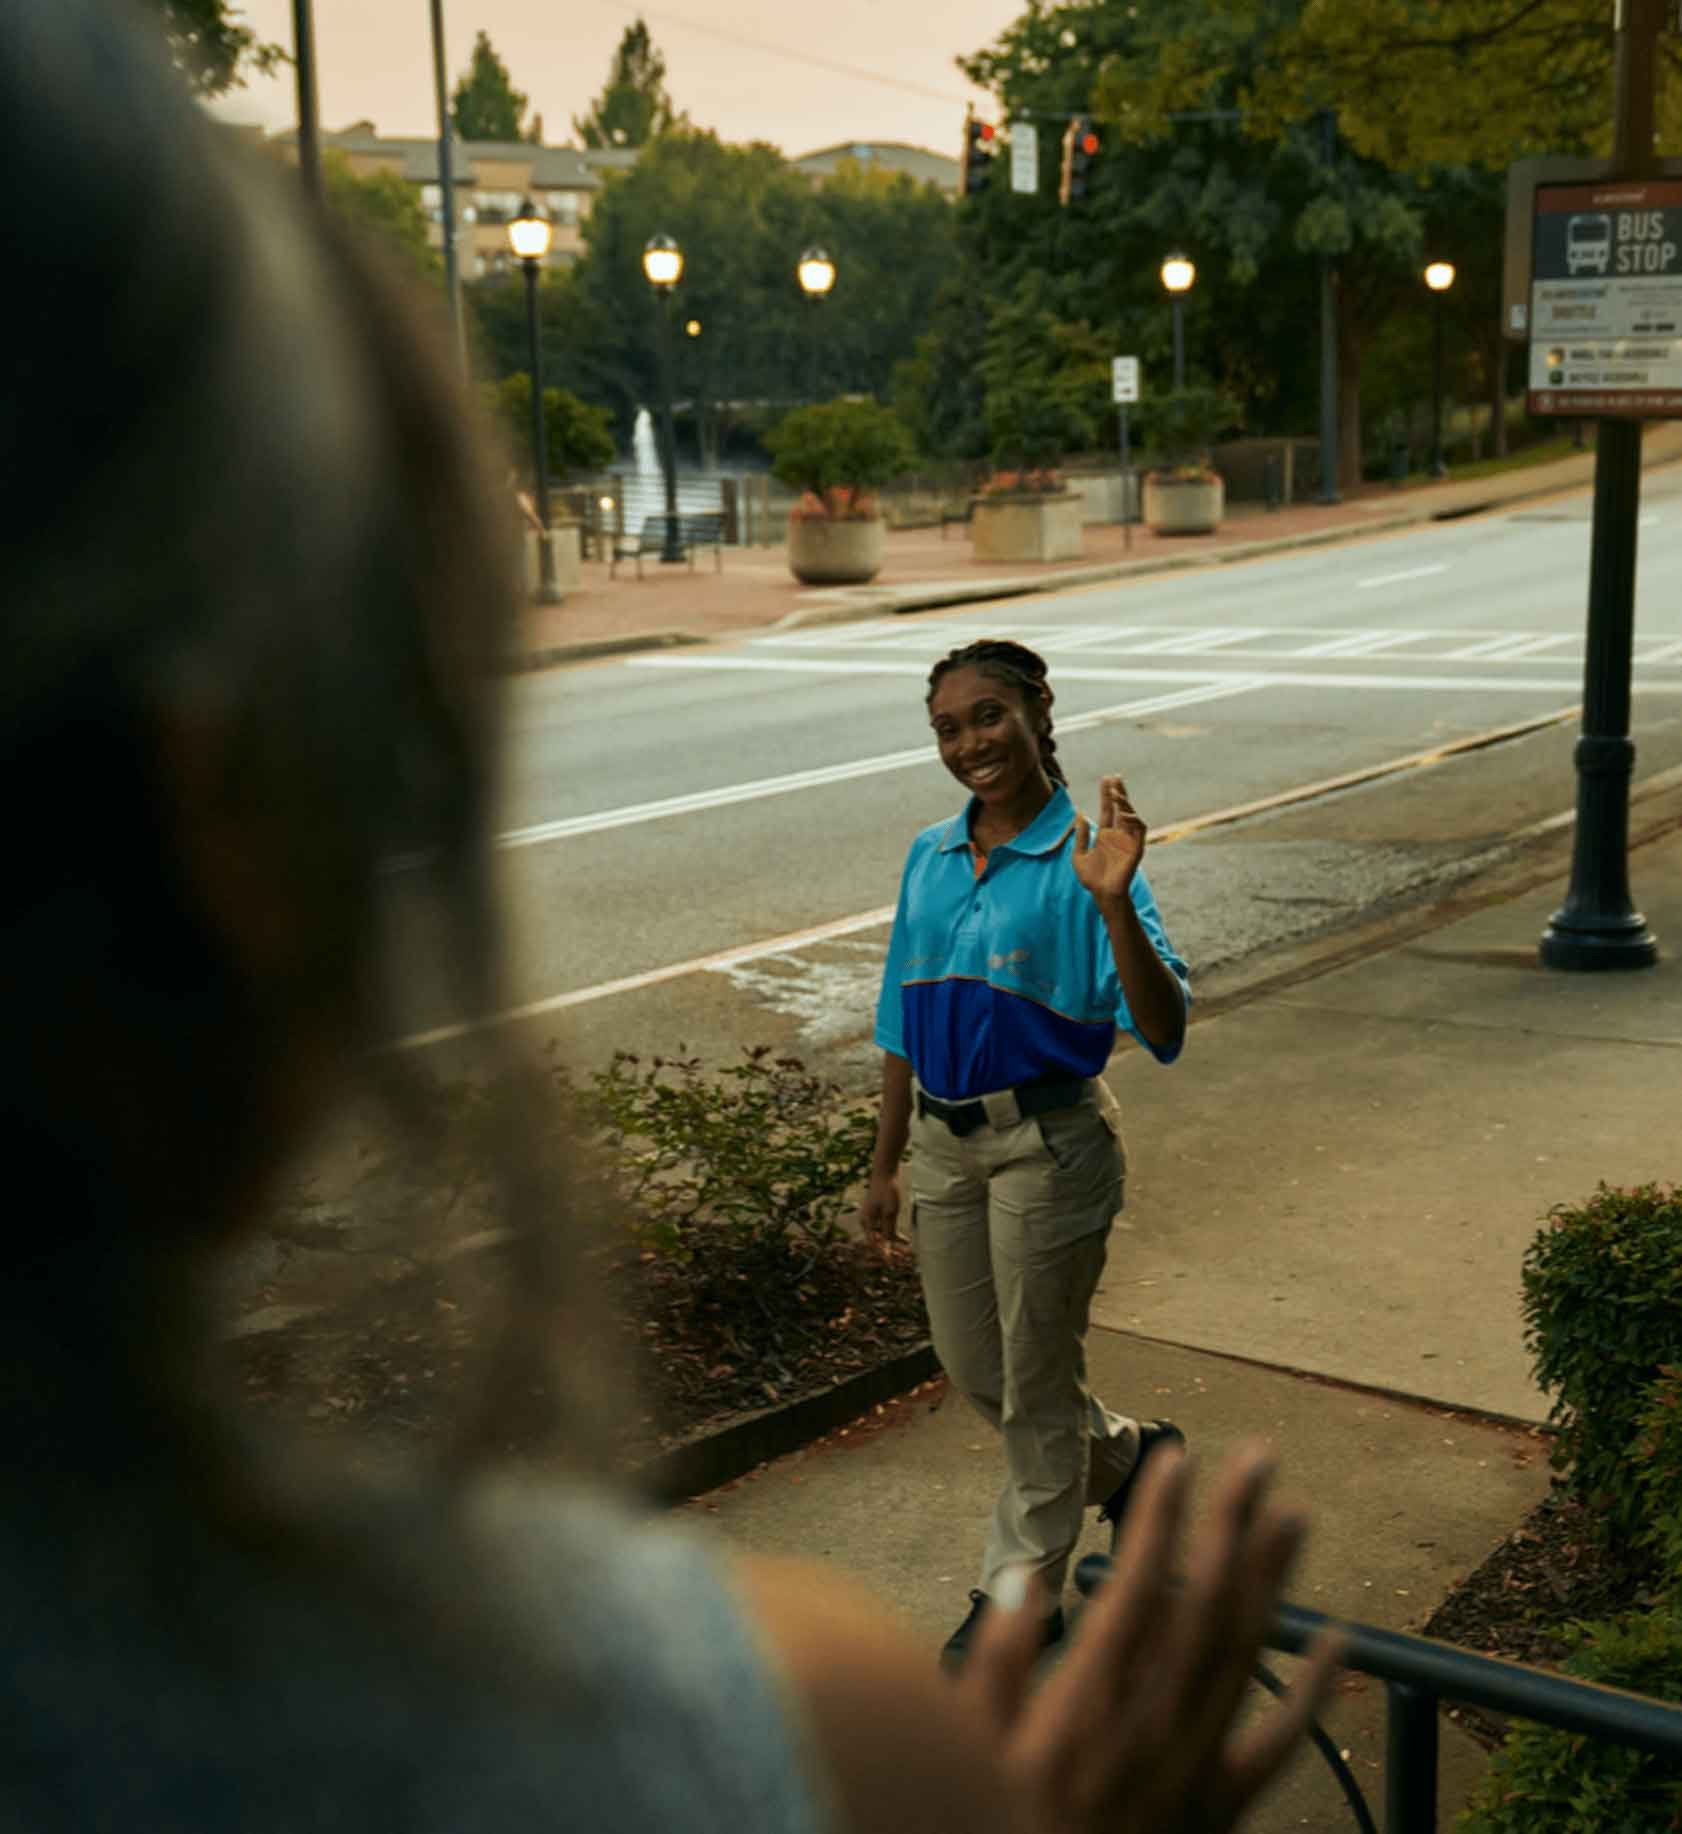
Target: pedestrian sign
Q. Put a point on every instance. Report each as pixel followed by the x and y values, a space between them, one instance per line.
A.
pixel 1024 157
pixel 1124 380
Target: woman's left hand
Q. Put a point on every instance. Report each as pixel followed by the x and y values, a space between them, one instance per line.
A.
pixel 1106 860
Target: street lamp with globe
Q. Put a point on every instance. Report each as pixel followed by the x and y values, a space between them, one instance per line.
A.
pixel 662 265
pixel 529 236
pixel 816 274
pixel 1178 274
pixel 1439 277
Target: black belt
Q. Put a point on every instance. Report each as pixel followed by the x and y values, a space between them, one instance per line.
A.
pixel 1031 1098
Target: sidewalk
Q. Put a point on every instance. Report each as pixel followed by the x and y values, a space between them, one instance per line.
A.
pixel 753 589
pixel 1329 1201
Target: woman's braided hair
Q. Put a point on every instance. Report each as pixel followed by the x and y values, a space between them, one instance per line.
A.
pixel 1017 667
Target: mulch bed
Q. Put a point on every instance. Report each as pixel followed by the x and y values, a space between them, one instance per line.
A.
pixel 399 1344
pixel 1549 1572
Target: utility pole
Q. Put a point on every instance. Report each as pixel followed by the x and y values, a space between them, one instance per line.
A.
pixel 447 183
pixel 1597 927
pixel 309 108
pixel 1328 337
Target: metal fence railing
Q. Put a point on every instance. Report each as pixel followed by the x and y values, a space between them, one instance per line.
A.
pixel 1420 1674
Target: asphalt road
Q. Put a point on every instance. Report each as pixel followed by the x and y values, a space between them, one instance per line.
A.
pixel 665 809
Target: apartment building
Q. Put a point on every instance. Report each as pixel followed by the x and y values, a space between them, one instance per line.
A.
pixel 492 179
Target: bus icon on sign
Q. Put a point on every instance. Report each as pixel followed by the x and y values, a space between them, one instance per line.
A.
pixel 1588 244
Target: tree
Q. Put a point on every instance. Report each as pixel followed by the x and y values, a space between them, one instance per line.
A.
pixel 1046 383
pixel 742 218
pixel 212 45
pixel 577 436
pixel 634 107
pixel 486 105
pixel 1455 82
pixel 1252 207
pixel 383 207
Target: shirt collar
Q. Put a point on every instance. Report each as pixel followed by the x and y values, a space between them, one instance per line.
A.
pixel 1044 834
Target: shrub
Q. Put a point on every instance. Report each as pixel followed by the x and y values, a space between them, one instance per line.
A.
pixel 1603 1316
pixel 756 1158
pixel 1183 424
pixel 838 452
pixel 1656 1462
pixel 577 436
pixel 1544 1781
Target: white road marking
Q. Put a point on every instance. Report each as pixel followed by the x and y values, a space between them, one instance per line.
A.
pixel 1363 643
pixel 633 983
pixel 1252 678
pixel 1395 579
pixel 542 833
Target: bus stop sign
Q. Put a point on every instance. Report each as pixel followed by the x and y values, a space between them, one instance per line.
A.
pixel 1605 318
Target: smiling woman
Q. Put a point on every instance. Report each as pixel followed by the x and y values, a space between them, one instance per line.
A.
pixel 1022 941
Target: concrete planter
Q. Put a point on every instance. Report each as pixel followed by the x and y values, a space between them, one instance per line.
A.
pixel 1184 506
pixel 840 553
pixel 1028 528
pixel 565 545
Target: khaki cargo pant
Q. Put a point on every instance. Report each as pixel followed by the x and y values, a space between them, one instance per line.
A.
pixel 1011 1224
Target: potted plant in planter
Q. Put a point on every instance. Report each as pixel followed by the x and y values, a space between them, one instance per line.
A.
pixel 1045 384
pixel 838 454
pixel 1184 494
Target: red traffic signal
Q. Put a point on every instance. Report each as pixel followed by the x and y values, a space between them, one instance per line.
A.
pixel 978 155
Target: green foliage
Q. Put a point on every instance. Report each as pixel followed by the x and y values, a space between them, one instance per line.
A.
pixel 1046 382
pixel 578 437
pixel 742 217
pixel 486 105
pixel 1466 84
pixel 212 45
pixel 1183 424
pixel 840 450
pixel 1656 1462
pixel 1544 1781
pixel 634 107
pixel 756 1157
pixel 383 207
pixel 1603 1317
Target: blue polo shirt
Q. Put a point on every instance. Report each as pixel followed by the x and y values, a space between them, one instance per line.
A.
pixel 998 980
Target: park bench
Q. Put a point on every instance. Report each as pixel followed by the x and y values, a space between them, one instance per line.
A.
pixel 699 529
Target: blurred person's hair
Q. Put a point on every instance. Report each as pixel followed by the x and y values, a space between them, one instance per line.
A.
pixel 241 503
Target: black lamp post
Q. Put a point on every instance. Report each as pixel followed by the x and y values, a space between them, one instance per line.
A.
pixel 816 273
pixel 1439 277
pixel 529 235
pixel 662 263
pixel 1177 276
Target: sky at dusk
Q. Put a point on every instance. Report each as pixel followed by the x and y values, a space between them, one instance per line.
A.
pixel 799 74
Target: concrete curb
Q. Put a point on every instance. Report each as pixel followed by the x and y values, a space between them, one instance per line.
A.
pixel 894 604
pixel 710 1459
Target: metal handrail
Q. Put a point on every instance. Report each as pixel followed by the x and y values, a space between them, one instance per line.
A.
pixel 1420 1673
pixel 1448 1673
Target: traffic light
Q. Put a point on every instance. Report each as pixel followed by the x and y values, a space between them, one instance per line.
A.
pixel 977 156
pixel 1080 148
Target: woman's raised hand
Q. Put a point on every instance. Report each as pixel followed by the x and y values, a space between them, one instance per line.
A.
pixel 1107 858
pixel 1135 1730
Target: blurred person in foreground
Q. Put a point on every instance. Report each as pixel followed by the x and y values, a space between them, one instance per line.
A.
pixel 248 658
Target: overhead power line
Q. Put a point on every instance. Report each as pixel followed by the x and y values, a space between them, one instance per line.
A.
pixel 854 72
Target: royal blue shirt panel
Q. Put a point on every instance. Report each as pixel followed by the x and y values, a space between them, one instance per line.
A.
pixel 994 981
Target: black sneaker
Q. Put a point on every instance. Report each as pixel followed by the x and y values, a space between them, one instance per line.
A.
pixel 1152 1433
pixel 957 1645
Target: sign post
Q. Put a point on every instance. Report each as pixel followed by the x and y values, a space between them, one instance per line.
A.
pixel 1025 157
pixel 1605 323
pixel 1124 392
